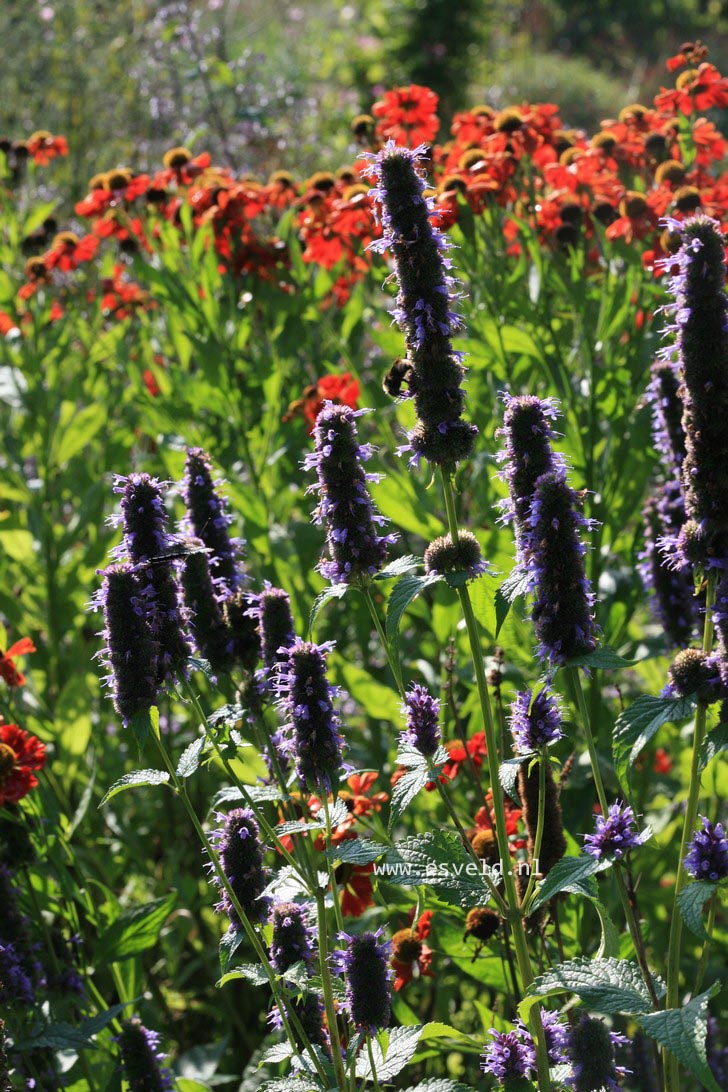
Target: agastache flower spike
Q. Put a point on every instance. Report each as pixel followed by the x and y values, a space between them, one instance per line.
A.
pixel 662 571
pixel 243 629
pixel 707 857
pixel 562 611
pixel 355 548
pixel 237 842
pixel 212 638
pixel 366 965
pixel 272 610
pixel 615 834
pixel 535 722
pixel 509 1057
pixel 526 455
pixel 306 698
pixel 423 715
pixel 591 1053
pixel 424 306
pixel 141 1059
pixel 131 650
pixel 209 521
pixel 292 943
pixel 700 313
pixel 146 540
pixel 667 410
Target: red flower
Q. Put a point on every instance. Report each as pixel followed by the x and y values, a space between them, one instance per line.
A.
pixel 458 755
pixel 43 147
pixel 356 888
pixel 333 388
pixel 408 115
pixel 411 957
pixel 20 753
pixel 8 670
pixel 663 762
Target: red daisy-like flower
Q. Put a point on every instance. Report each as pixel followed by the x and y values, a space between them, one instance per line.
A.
pixel 411 957
pixel 356 892
pixel 476 749
pixel 8 670
pixel 20 754
pixel 408 115
pixel 343 389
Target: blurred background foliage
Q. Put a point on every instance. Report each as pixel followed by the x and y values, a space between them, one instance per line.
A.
pixel 257 83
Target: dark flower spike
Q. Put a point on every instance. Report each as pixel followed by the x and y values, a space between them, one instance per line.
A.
pixel 667 411
pixel 210 521
pixel 213 640
pixel 424 306
pixel 292 940
pixel 243 630
pixel 526 455
pixel 562 611
pixel 700 323
pixel 663 572
pixel 366 965
pixel 306 699
pixel 445 556
pixel 535 722
pixel 707 857
pixel 591 1053
pixel 142 1062
pixel 271 608
pixel 237 842
pixel 146 542
pixel 423 716
pixel 131 651
pixel 615 834
pixel 509 1057
pixel 694 672
pixel 355 548
pixel 15 983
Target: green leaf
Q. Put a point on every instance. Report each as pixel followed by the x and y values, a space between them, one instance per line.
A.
pixel 190 758
pixel 198 663
pixel 609 944
pixel 186 1084
pixel 77 430
pixel 400 1049
pixel 334 591
pixel 607 985
pixel 604 658
pixel 133 779
pixel 438 1084
pixel 227 716
pixel 134 931
pixel 144 724
pixel 513 586
pixel 568 874
pixel 97 1023
pixel 405 790
pixel 683 1032
pixel 508 775
pixel 252 972
pixel 229 944
pixel 278 1052
pixel 691 901
pixel 404 592
pixel 376 699
pixel 357 851
pixel 714 743
pixel 400 567
pixel 438 859
pixel 637 725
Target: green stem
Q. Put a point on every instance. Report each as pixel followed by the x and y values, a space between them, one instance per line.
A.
pixel 672 1068
pixel 330 870
pixel 328 991
pixel 709 926
pixel 391 659
pixel 288 1017
pixel 574 679
pixel 514 915
pixel 540 823
pixel 370 1052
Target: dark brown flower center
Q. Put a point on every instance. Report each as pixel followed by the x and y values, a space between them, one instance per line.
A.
pixel 405 947
pixel 8 758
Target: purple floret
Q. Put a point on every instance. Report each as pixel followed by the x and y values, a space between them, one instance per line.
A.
pixel 707 857
pixel 509 1057
pixel 535 722
pixel 306 700
pixel 423 715
pixel 615 835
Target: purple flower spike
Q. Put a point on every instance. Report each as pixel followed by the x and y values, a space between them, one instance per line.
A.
pixel 535 722
pixel 292 937
pixel 424 306
pixel 700 325
pixel 509 1057
pixel 141 1059
pixel 355 548
pixel 591 1053
pixel 366 964
pixel 272 610
pixel 423 715
pixel 707 857
pixel 526 455
pixel 615 835
pixel 237 842
pixel 556 1034
pixel 213 639
pixel 663 572
pixel 131 650
pixel 306 698
pixel 562 612
pixel 667 411
pixel 15 984
pixel 209 521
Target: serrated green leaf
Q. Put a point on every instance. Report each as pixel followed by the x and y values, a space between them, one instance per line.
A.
pixel 683 1032
pixel 279 1052
pixel 438 1084
pixel 637 725
pixel 227 715
pixel 714 743
pixel 134 931
pixel 404 592
pixel 97 1023
pixel 609 944
pixel 144 724
pixel 133 780
pixel 405 790
pixel 357 851
pixel 691 901
pixel 198 663
pixel 399 567
pixel 514 585
pixel 401 1047
pixel 229 944
pixel 190 758
pixel 603 658
pixel 437 859
pixel 607 985
pixel 334 591
pixel 251 972
pixel 566 875
pixel 508 775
